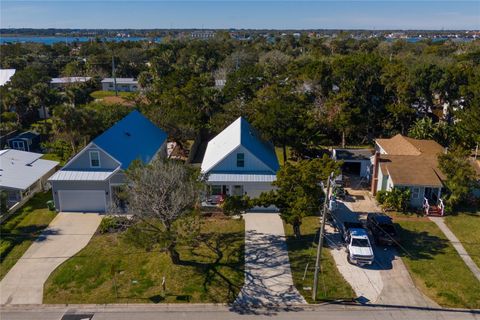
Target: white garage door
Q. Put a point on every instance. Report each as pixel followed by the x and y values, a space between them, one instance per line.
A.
pixel 82 200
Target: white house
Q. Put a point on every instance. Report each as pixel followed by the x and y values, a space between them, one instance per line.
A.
pixel 238 162
pixel 5 75
pixel 123 84
pixel 22 174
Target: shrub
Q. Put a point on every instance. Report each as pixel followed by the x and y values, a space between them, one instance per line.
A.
pixel 396 199
pixel 235 205
pixel 114 224
pixel 380 196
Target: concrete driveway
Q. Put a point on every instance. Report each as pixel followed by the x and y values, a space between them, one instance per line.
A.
pixel 67 234
pixel 387 281
pixel 268 278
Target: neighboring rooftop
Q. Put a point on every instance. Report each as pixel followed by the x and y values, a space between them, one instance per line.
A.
pixel 21 169
pixel 5 75
pixel 25 135
pixel 353 154
pixel 133 137
pixel 66 80
pixel 239 133
pixel 121 80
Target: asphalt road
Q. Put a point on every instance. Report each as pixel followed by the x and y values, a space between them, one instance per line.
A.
pixel 217 312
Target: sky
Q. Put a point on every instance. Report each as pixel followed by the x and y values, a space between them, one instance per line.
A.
pixel 270 14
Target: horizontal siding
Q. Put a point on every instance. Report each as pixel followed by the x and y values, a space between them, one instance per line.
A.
pixel 82 162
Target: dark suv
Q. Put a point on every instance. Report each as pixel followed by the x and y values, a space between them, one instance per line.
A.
pixel 382 229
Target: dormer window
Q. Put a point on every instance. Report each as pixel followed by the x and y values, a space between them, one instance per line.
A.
pixel 94 159
pixel 240 160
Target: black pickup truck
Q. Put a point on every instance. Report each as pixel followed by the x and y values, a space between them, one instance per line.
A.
pixel 382 229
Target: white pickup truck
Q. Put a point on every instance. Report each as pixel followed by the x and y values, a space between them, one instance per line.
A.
pixel 359 249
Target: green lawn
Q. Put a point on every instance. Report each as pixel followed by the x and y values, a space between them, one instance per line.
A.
pixel 435 266
pixel 466 226
pixel 100 94
pixel 21 229
pixel 212 272
pixel 301 251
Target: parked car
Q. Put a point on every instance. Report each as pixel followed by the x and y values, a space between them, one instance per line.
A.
pixel 215 199
pixel 382 228
pixel 359 249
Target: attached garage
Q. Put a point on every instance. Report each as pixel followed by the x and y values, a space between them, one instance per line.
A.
pixel 82 200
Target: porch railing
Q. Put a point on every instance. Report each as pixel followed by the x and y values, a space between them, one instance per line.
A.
pixel 426 206
pixel 441 207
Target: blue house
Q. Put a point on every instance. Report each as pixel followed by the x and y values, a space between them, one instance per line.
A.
pixel 25 141
pixel 238 162
pixel 93 179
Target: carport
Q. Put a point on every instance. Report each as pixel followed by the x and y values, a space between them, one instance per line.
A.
pixel 355 161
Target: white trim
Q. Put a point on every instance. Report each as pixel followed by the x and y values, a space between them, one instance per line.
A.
pixel 16 145
pixel 90 152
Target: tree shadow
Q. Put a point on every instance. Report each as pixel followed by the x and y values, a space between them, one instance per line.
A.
pixel 19 235
pixel 420 245
pixel 214 263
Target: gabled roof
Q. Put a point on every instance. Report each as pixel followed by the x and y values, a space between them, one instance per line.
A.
pixel 411 161
pixel 133 137
pixel 239 133
pixel 404 146
pixel 21 169
pixel 25 135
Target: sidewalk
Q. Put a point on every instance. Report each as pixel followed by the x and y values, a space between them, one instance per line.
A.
pixel 457 245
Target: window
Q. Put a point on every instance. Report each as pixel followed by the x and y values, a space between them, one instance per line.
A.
pixel 94 159
pixel 415 193
pixel 240 160
pixel 216 190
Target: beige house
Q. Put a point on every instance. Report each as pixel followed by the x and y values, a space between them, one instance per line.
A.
pixel 404 162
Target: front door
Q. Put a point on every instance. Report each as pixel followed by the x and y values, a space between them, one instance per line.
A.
pixel 431 194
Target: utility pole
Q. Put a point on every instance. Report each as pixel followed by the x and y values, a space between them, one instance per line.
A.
pixel 113 75
pixel 320 240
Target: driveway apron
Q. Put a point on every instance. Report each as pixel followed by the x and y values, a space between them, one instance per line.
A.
pixel 268 278
pixel 66 235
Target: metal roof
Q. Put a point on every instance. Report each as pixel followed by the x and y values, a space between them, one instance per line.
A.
pixel 133 137
pixel 241 177
pixel 70 79
pixel 353 154
pixel 21 169
pixel 73 175
pixel 121 80
pixel 5 75
pixel 239 133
